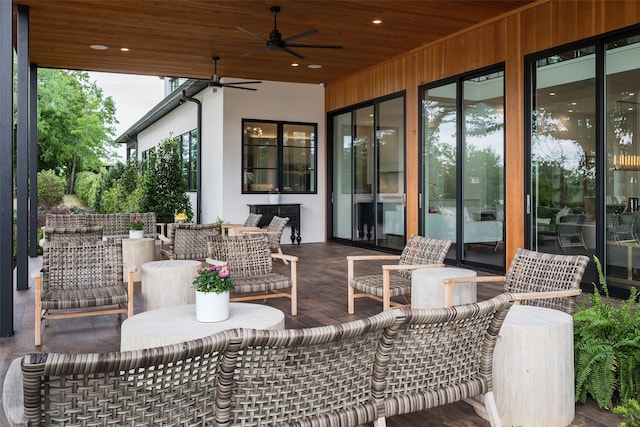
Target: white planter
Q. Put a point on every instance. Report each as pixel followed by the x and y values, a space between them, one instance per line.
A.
pixel 136 234
pixel 274 199
pixel 212 307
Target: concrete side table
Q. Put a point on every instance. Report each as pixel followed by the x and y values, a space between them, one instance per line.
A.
pixel 137 252
pixel 173 325
pixel 533 373
pixel 168 283
pixel 427 289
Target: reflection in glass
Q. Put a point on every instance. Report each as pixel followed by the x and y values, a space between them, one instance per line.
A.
pixel 473 212
pixel 563 147
pixel 622 64
pixel 342 167
pixel 260 162
pixel 363 174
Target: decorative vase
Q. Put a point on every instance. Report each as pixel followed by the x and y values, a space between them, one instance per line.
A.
pixel 274 199
pixel 136 234
pixel 212 307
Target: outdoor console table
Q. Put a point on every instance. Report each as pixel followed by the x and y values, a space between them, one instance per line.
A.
pixel 427 290
pixel 288 210
pixel 173 325
pixel 168 283
pixel 533 377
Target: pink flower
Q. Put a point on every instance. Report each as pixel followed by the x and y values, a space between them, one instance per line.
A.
pixel 224 273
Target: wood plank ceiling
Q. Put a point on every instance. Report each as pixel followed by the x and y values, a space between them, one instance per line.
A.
pixel 178 38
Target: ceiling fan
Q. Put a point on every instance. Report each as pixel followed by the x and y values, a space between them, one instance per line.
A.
pixel 215 80
pixel 276 42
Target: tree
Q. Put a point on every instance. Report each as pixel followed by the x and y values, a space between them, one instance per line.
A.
pixel 75 123
pixel 164 185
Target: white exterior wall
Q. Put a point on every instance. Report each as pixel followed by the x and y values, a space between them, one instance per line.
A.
pixel 222 114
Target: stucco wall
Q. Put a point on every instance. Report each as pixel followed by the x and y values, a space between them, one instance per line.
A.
pixel 222 116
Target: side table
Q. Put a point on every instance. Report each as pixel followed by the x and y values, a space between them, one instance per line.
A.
pixel 173 325
pixel 427 289
pixel 533 373
pixel 168 283
pixel 137 252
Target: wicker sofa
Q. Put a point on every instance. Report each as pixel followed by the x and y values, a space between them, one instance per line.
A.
pixel 398 361
pixel 113 225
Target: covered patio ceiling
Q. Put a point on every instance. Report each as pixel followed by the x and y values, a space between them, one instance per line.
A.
pixel 178 38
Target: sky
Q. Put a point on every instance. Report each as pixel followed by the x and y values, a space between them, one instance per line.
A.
pixel 133 96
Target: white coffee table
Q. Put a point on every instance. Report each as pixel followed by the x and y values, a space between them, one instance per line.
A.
pixel 173 325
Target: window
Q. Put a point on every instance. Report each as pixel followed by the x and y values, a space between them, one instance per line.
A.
pixel 188 143
pixel 279 155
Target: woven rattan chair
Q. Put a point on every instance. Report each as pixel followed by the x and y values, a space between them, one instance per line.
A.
pixel 362 371
pixel 252 221
pixel 250 263
pixel 539 279
pixel 437 358
pixel 81 279
pixel 171 385
pixel 273 232
pixel 188 241
pixel 419 252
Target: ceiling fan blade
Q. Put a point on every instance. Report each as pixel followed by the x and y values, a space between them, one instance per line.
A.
pixel 293 52
pixel 240 87
pixel 319 46
pixel 251 52
pixel 251 33
pixel 253 82
pixel 299 36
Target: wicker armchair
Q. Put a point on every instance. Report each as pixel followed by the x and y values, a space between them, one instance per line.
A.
pixel 419 252
pixel 273 232
pixel 250 263
pixel 81 279
pixel 252 221
pixel 539 279
pixel 188 241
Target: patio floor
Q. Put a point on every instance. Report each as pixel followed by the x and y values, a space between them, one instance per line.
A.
pixel 322 300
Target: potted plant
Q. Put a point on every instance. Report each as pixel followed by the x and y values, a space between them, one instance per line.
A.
pixel 136 227
pixel 274 196
pixel 213 285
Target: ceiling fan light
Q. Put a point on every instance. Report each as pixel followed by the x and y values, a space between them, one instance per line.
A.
pixel 98 47
pixel 314 66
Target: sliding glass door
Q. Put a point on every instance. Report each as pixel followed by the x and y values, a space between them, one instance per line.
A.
pixel 368 174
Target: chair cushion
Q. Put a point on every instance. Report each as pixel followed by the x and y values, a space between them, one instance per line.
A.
pixel 84 297
pixel 261 283
pixel 398 285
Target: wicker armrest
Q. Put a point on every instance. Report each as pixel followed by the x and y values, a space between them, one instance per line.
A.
pixel 13 394
pixel 164 238
pixel 290 258
pixel 372 257
pixel 409 267
pixel 544 295
pixel 219 263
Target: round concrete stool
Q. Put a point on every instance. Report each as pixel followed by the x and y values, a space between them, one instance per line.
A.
pixel 168 283
pixel 427 289
pixel 137 252
pixel 533 377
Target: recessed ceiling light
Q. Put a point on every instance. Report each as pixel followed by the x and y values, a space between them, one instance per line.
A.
pixel 99 47
pixel 571 111
pixel 552 93
pixel 295 64
pixel 630 108
pixel 314 66
pixel 574 103
pixel 377 21
pixel 124 49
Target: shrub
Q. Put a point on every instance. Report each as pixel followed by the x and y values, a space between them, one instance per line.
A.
pixel 50 189
pixel 164 185
pixel 630 411
pixel 86 187
pixel 607 347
